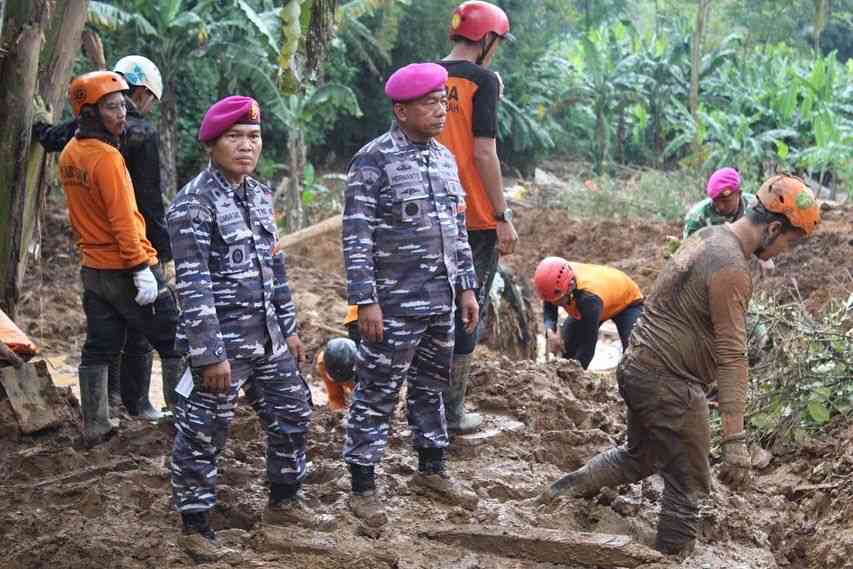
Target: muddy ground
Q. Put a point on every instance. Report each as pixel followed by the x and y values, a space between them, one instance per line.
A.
pixel 110 507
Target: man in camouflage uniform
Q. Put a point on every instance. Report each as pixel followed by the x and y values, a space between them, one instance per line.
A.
pixel 238 325
pixel 725 202
pixel 408 263
pixel 139 145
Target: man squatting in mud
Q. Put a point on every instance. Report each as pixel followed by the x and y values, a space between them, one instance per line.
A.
pixel 407 263
pixel 692 334
pixel 591 294
pixel 238 325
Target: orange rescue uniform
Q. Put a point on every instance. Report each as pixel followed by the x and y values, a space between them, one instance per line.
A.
pixel 616 290
pixel 472 96
pixel 339 393
pixel 102 207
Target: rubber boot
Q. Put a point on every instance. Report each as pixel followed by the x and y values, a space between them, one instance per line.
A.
pixel 199 540
pixel 364 501
pixel 114 384
pixel 602 471
pixel 173 369
pixel 286 508
pixel 136 385
pixel 458 421
pixel 432 479
pixel 97 425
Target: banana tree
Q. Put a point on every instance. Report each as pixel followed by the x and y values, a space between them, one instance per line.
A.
pixel 170 34
pixel 302 116
pixel 609 78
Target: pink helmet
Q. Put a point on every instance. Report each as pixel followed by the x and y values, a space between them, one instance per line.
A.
pixel 721 181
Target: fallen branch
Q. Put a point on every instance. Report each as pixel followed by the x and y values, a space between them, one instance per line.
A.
pixel 331 329
pixel 330 224
pixel 84 474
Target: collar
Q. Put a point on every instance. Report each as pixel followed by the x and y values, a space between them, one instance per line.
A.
pixel 741 208
pixel 403 142
pixel 223 182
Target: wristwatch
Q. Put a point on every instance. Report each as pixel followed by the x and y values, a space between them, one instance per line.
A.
pixel 504 216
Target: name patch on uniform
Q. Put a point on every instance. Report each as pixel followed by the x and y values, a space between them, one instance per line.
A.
pixel 402 173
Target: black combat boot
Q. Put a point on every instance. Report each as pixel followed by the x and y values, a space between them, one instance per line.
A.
pixel 199 540
pixel 432 479
pixel 286 508
pixel 364 502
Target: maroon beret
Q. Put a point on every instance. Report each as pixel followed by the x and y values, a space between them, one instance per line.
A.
pixel 414 81
pixel 227 112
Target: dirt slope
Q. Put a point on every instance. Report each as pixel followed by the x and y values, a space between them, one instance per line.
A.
pixel 66 507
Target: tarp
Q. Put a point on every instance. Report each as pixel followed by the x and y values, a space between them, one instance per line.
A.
pixel 13 337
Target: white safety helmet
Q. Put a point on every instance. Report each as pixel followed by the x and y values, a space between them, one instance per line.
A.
pixel 138 70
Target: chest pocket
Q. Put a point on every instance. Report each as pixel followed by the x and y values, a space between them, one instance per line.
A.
pixel 236 255
pixel 410 206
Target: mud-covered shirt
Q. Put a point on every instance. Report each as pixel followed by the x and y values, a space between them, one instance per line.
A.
pixel 404 240
pixel 693 327
pixel 234 295
pixel 472 102
pixel 704 214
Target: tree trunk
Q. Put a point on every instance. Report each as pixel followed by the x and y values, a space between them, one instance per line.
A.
pixel 600 141
pixel 42 38
pixel 22 39
pixel 169 136
pixel 696 65
pixel 823 11
pixel 23 177
pixel 297 156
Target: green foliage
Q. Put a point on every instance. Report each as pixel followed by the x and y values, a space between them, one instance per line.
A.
pixel 806 379
pixel 654 195
pixel 605 81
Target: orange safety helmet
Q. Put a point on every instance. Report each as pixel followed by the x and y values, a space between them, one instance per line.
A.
pixel 554 278
pixel 474 19
pixel 789 196
pixel 89 88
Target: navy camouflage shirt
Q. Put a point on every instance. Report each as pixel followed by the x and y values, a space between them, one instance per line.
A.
pixel 234 296
pixel 404 239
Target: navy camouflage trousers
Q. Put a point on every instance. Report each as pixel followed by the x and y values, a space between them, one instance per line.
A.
pixel 281 398
pixel 414 350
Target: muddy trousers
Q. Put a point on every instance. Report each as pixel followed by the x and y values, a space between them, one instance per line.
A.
pixel 110 308
pixel 282 400
pixel 668 434
pixel 484 251
pixel 416 350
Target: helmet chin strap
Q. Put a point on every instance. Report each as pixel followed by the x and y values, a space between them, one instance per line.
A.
pixel 766 241
pixel 484 47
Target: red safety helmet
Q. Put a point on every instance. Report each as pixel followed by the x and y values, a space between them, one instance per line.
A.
pixel 554 279
pixel 474 19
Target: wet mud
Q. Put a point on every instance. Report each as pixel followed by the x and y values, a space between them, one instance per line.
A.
pixel 64 506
